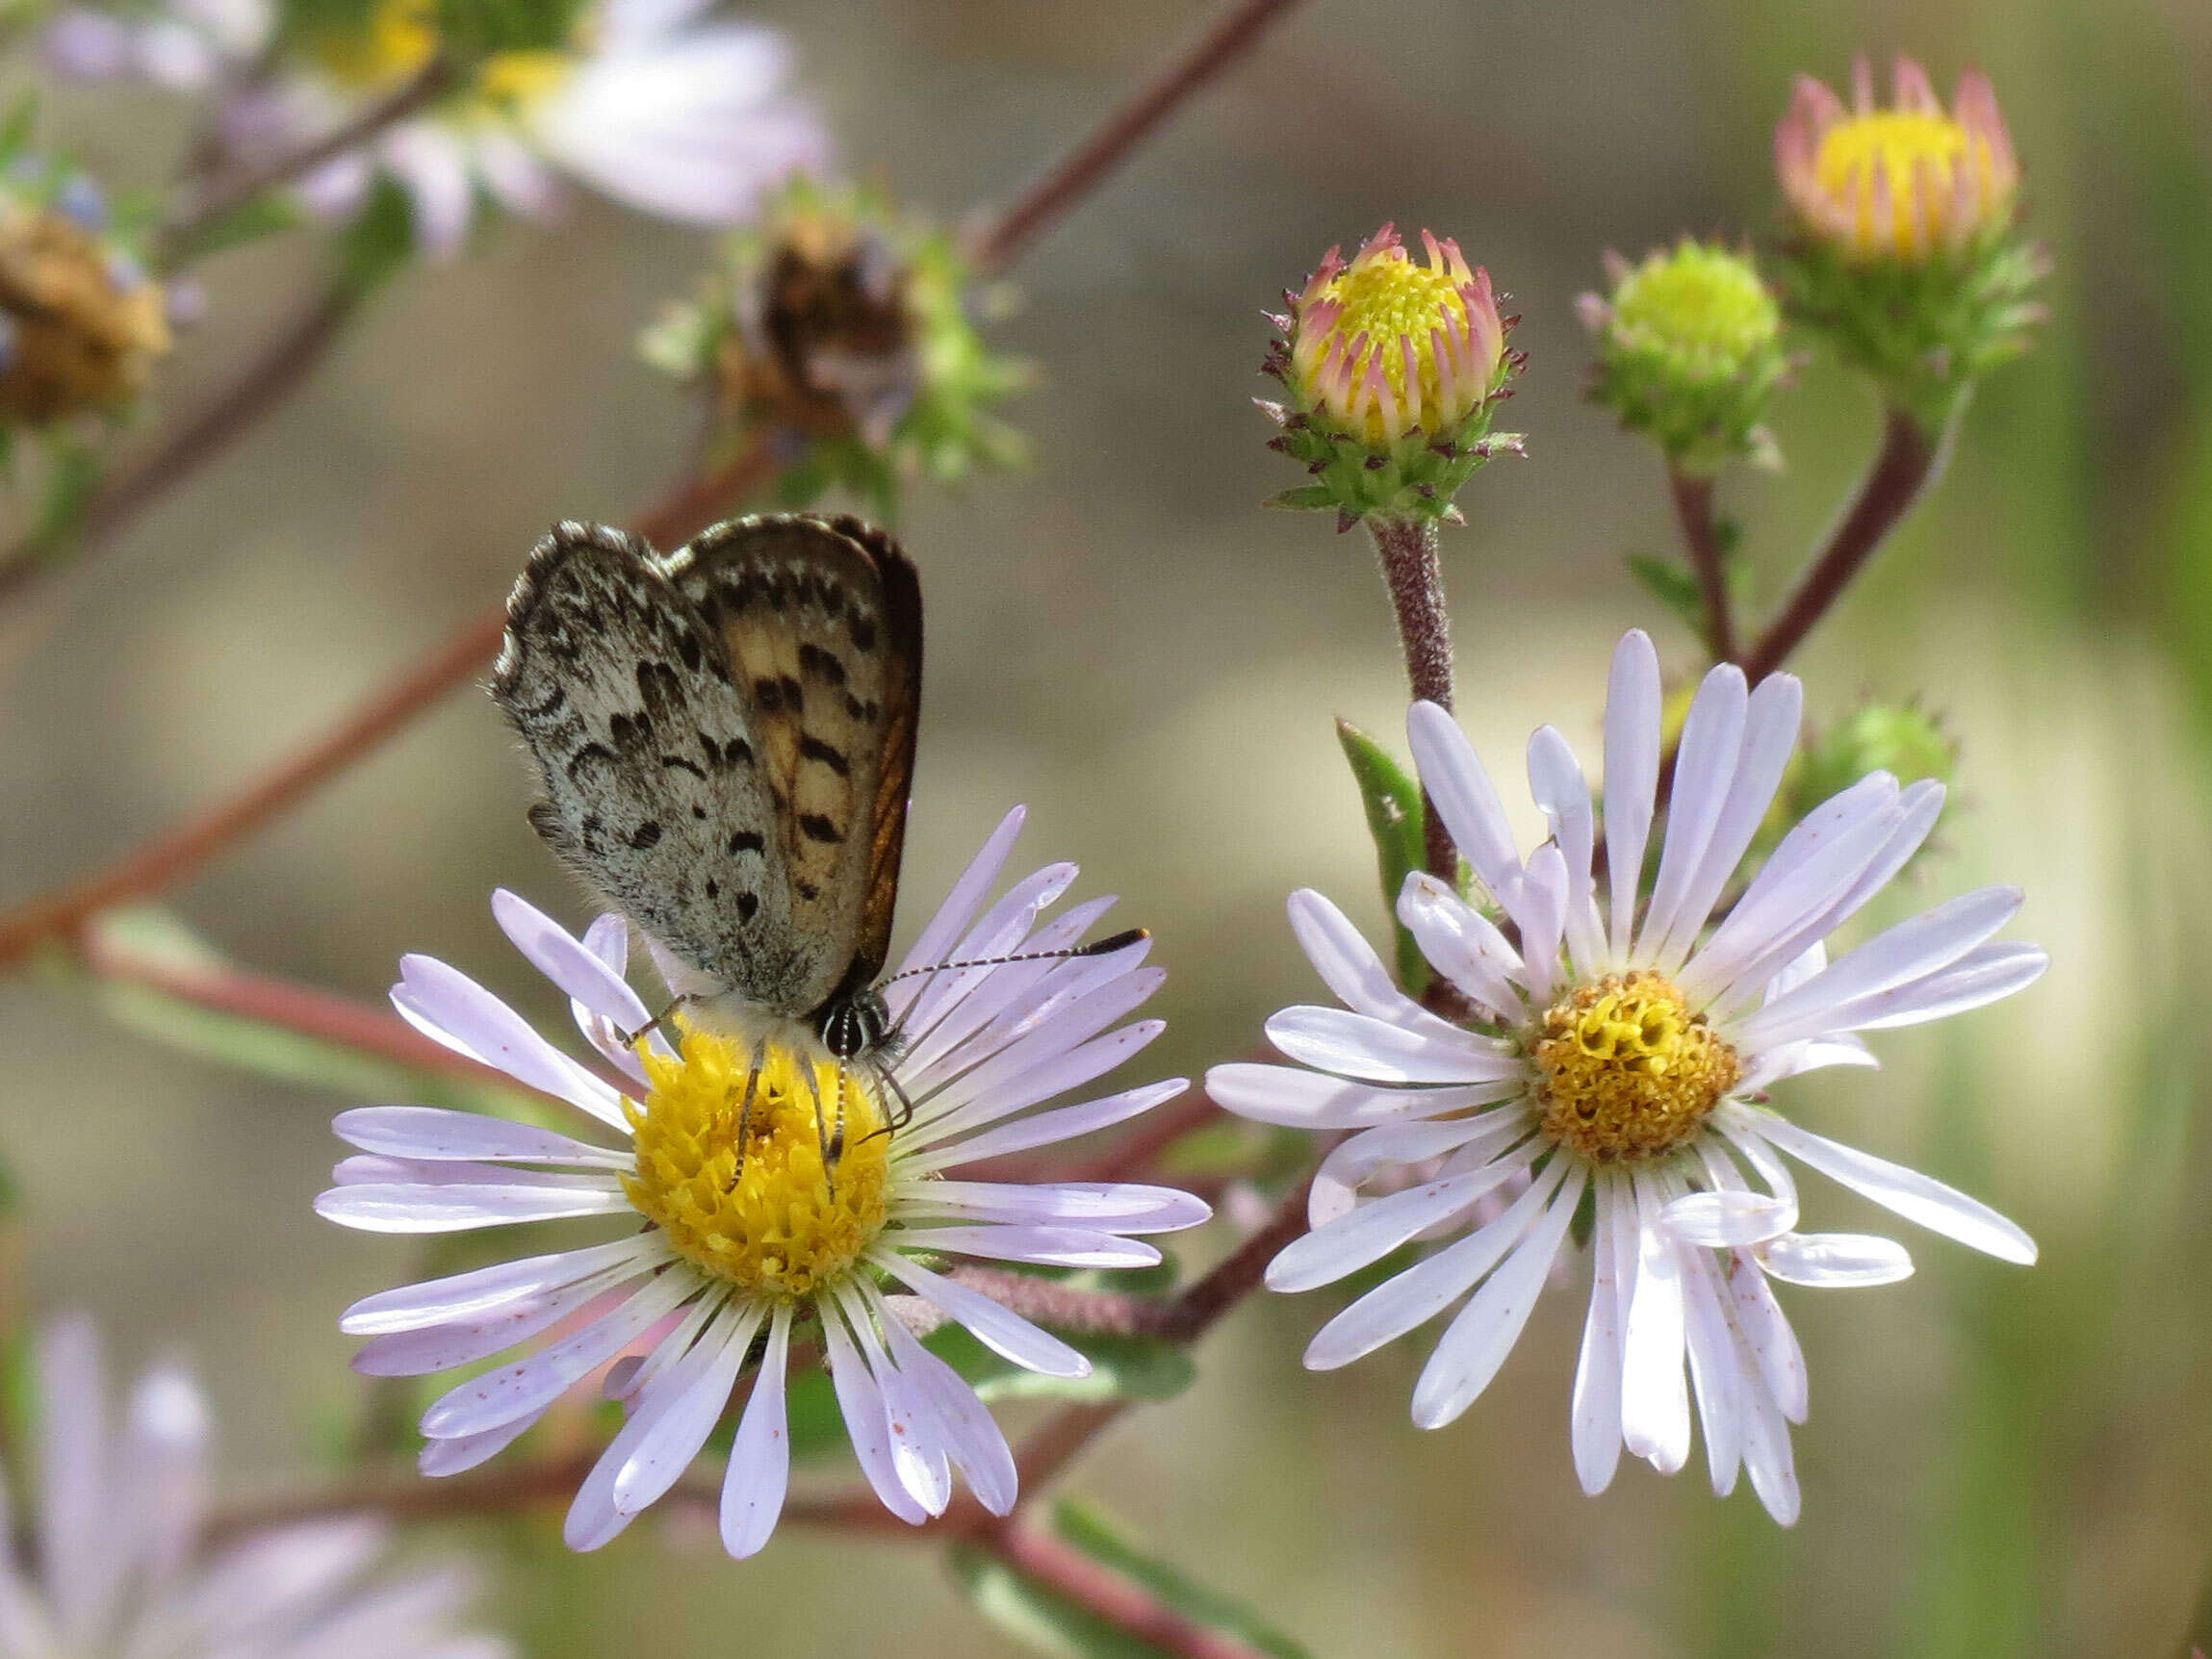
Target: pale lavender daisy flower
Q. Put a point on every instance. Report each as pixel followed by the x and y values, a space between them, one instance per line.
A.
pixel 1614 1060
pixel 118 1565
pixel 651 102
pixel 744 1237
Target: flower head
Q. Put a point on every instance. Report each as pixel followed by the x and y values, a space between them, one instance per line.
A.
pixel 839 331
pixel 120 1565
pixel 1689 351
pixel 81 323
pixel 649 101
pixel 1393 368
pixel 1904 183
pixel 777 1191
pixel 1618 1052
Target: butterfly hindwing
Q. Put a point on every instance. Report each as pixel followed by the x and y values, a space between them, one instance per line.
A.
pixel 654 790
pixel 820 620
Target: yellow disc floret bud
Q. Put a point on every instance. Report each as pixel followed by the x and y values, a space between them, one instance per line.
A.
pixel 1630 1071
pixel 730 1162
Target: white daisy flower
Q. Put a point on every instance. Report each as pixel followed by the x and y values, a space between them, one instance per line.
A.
pixel 117 1567
pixel 744 1235
pixel 1615 1062
pixel 650 102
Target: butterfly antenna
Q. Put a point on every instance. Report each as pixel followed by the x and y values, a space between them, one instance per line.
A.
pixel 904 1115
pixel 745 1111
pixel 1096 947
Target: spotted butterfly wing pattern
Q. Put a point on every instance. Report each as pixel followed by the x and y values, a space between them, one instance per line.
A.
pixel 726 739
pixel 821 622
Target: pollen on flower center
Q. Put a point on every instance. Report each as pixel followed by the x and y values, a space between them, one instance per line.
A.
pixel 743 1193
pixel 1630 1071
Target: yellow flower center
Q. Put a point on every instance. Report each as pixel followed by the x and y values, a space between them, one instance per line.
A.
pixel 1703 309
pixel 1630 1071
pixel 741 1191
pixel 401 38
pixel 1900 144
pixel 399 42
pixel 1392 298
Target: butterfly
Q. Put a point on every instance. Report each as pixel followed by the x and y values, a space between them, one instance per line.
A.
pixel 726 737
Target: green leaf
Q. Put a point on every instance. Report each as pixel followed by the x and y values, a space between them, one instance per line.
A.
pixel 1673 586
pixel 1306 499
pixel 475 29
pixel 267 213
pixel 1087 1530
pixel 1392 799
pixel 1041 1619
pixel 77 469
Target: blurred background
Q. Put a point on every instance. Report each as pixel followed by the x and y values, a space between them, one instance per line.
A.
pixel 1999 1461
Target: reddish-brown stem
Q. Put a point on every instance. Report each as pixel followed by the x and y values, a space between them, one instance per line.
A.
pixel 170 857
pixel 1045 1559
pixel 1903 469
pixel 281 368
pixel 226 193
pixel 1040 207
pixel 361 1027
pixel 1701 534
pixel 1413 571
pixel 1069 1307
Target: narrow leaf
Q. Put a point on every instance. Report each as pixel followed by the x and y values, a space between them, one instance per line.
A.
pixel 1089 1530
pixel 1392 800
pixel 1673 586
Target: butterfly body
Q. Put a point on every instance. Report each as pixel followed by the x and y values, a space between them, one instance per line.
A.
pixel 725 736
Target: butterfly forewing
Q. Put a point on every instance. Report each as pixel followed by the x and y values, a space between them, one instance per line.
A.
pixel 726 737
pixel 821 624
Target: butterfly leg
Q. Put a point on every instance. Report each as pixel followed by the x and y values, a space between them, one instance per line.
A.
pixel 899 1118
pixel 822 1132
pixel 753 1065
pixel 630 1040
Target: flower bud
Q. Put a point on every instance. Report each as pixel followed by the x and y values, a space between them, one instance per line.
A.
pixel 839 333
pixel 1905 251
pixel 81 323
pixel 1392 369
pixel 1689 351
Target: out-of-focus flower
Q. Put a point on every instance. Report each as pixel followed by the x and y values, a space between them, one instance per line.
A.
pixel 1904 183
pixel 792 1198
pixel 81 323
pixel 1619 1057
pixel 1906 251
pixel 1689 352
pixel 840 333
pixel 119 1565
pixel 1393 369
pixel 649 101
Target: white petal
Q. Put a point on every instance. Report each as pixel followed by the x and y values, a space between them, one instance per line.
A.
pixel 1047 1128
pixel 1632 773
pixel 1453 775
pixel 567 962
pixel 1050 1246
pixel 1122 1206
pixel 500 1396
pixel 1064 1052
pixel 433 167
pixel 917 1437
pixel 1373 1231
pixel 79 1571
pixel 1721 1220
pixel 867 1421
pixel 1476 1344
pixel 1308 1100
pixel 684 1413
pixel 1983 975
pixel 1835 1259
pixel 1372 1050
pixel 444 1004
pixel 1716 1369
pixel 1544 919
pixel 960 904
pixel 1350 967
pixel 997 1328
pixel 1423 1291
pixel 1766 1335
pixel 1597 1400
pixel 973 1437
pixel 1464 946
pixel 1336 1182
pixel 1082 1065
pixel 484 1290
pixel 377 1208
pixel 759 1472
pixel 1769 737
pixel 1705 764
pixel 1917 1197
pixel 462 1342
pixel 1655 1391
pixel 441 1458
pixel 1557 784
pixel 434 1133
